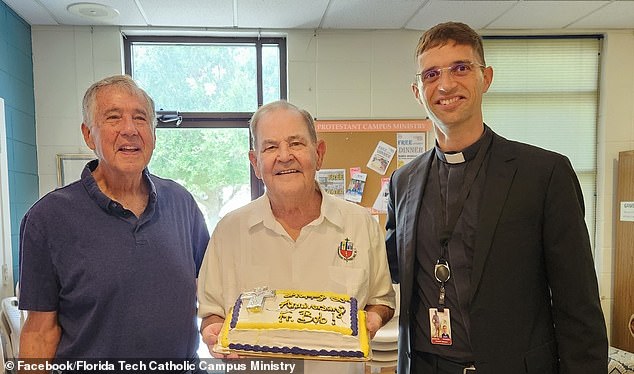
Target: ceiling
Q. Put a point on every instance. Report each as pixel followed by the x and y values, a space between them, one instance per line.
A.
pixel 332 14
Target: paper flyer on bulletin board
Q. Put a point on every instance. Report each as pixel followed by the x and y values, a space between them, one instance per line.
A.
pixel 333 181
pixel 380 204
pixel 408 146
pixel 381 158
pixel 355 189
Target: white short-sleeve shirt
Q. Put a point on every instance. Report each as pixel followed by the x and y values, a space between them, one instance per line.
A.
pixel 249 248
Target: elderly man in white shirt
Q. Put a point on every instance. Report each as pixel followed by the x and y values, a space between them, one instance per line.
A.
pixel 289 237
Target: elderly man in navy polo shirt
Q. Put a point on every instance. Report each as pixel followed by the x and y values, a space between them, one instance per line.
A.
pixel 108 264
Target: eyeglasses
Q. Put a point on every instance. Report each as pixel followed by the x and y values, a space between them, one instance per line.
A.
pixel 459 69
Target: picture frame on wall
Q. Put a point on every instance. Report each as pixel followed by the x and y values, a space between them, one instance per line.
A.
pixel 70 166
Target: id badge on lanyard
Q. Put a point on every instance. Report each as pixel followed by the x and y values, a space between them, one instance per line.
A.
pixel 439 318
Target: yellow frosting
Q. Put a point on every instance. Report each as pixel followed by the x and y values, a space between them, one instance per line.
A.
pixel 293 326
pixel 312 301
pixel 363 334
pixel 224 333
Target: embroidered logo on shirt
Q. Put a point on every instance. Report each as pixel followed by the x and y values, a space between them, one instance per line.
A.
pixel 346 250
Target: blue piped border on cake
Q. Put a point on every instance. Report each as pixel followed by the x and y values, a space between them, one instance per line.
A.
pixel 236 313
pixel 294 350
pixel 354 323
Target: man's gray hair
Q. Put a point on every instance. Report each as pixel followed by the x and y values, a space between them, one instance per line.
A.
pixel 276 105
pixel 120 81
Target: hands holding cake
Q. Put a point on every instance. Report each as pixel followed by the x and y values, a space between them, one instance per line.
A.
pixel 322 258
pixel 210 333
pixel 376 317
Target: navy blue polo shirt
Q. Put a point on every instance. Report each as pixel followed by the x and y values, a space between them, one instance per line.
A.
pixel 122 287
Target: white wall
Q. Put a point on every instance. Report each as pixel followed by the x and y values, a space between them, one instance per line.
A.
pixel 333 74
pixel 66 61
pixel 353 74
pixel 615 134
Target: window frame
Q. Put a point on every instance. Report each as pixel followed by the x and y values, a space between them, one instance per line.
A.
pixel 216 119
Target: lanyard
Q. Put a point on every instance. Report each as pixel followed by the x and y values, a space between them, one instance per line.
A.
pixel 442 272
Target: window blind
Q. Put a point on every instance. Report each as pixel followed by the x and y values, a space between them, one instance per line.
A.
pixel 545 92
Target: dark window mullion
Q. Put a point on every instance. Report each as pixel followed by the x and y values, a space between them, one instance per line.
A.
pixel 257 187
pixel 282 50
pixel 258 63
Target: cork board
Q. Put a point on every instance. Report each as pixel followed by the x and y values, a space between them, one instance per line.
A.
pixel 350 144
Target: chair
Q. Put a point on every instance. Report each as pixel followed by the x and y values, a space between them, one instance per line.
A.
pixel 385 342
pixel 11 320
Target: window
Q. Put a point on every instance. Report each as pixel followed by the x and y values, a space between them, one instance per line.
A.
pixel 205 91
pixel 545 92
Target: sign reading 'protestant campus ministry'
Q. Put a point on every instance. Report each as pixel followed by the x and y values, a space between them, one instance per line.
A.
pixel 391 125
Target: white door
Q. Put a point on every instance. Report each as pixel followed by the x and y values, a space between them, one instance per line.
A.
pixel 6 257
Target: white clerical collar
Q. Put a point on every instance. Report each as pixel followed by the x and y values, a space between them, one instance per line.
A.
pixel 454 158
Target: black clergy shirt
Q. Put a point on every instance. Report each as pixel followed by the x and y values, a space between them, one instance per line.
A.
pixel 449 178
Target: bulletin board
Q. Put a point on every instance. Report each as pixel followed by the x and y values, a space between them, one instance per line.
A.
pixel 351 143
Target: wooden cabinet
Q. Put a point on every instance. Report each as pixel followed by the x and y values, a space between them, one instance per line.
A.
pixel 623 311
